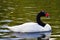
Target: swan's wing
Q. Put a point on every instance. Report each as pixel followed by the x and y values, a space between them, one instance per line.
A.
pixel 27 27
pixel 30 27
pixel 21 28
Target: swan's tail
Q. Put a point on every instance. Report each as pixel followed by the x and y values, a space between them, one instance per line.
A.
pixel 5 26
pixel 14 29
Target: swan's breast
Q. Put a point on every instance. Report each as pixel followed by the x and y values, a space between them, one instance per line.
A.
pixel 47 27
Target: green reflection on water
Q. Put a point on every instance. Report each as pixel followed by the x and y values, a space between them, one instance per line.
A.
pixel 21 11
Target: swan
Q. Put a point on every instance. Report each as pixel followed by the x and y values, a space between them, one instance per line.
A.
pixel 39 26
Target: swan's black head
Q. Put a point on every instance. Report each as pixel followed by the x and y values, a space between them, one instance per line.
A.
pixel 43 14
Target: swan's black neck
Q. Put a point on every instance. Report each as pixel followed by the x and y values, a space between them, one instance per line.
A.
pixel 39 20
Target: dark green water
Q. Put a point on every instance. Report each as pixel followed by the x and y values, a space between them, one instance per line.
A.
pixel 22 11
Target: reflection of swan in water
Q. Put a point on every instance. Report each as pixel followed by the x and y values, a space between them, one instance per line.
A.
pixel 32 27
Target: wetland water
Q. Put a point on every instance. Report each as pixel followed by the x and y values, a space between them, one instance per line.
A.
pixel 16 12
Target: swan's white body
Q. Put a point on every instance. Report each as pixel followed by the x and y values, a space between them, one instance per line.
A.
pixel 34 27
pixel 30 27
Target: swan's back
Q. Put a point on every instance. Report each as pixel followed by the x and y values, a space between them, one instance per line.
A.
pixel 29 27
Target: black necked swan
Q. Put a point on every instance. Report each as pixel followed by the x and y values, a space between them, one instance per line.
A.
pixel 32 26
